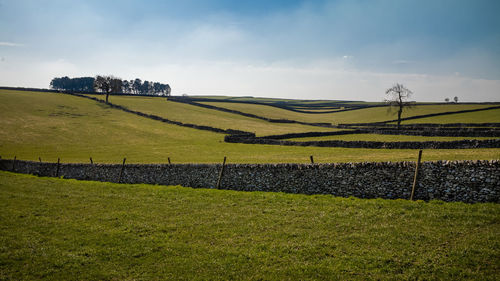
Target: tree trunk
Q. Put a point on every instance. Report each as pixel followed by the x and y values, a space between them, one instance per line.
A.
pixel 400 111
pixel 107 95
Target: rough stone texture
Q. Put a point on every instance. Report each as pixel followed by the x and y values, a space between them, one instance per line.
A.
pixel 467 181
pixel 459 144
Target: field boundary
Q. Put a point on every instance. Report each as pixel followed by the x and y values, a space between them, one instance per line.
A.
pixel 459 144
pixel 466 181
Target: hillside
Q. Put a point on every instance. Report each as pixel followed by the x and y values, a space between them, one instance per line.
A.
pixel 75 230
pixel 51 125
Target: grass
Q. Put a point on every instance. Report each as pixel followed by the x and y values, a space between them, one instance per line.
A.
pixel 202 116
pixel 375 114
pixel 51 126
pixel 487 116
pixel 56 229
pixel 387 138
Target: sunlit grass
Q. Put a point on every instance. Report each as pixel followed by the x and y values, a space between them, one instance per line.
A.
pixel 51 126
pixel 367 115
pixel 58 229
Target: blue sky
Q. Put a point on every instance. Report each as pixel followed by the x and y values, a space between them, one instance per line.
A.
pixel 343 49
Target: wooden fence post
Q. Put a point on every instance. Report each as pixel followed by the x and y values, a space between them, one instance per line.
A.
pixel 415 179
pixel 121 171
pixel 91 161
pixel 58 164
pixel 14 164
pixel 312 159
pixel 40 159
pixel 169 160
pixel 221 172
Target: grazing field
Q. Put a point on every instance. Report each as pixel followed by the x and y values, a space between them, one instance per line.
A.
pixel 202 116
pixel 59 229
pixel 487 116
pixel 50 125
pixel 365 115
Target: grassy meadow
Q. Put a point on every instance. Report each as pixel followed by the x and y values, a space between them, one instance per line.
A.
pixel 55 229
pixel 487 116
pixel 365 115
pixel 202 116
pixel 51 125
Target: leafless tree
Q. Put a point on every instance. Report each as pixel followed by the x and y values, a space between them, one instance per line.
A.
pixel 397 97
pixel 107 85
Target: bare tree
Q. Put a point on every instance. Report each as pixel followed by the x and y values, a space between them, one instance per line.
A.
pixel 397 97
pixel 107 84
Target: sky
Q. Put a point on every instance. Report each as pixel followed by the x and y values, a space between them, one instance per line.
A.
pixel 324 49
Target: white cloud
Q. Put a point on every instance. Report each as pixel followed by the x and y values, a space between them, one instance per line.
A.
pixel 11 44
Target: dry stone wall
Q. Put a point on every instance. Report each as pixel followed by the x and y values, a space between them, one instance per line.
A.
pixel 466 181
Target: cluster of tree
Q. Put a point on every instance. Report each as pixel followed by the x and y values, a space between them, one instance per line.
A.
pixel 82 84
pixel 110 84
pixel 455 99
pixel 145 88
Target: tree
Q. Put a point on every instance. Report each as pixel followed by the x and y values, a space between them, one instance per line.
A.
pixel 146 87
pixel 82 84
pixel 107 84
pixel 398 98
pixel 137 85
pixel 455 99
pixel 167 90
pixel 447 99
pixel 126 86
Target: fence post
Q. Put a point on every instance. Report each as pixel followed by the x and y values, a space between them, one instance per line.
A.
pixel 91 161
pixel 221 172
pixel 58 164
pixel 169 160
pixel 14 164
pixel 415 179
pixel 312 159
pixel 40 159
pixel 121 171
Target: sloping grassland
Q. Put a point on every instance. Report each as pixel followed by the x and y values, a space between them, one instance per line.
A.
pixel 51 125
pixel 58 229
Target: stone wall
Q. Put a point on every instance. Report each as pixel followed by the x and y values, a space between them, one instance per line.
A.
pixel 459 144
pixel 467 181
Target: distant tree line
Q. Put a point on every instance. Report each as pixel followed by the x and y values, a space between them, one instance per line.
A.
pixel 98 84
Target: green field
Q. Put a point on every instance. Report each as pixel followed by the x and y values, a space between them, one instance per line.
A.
pixel 201 116
pixel 56 229
pixel 366 115
pixel 487 116
pixel 50 125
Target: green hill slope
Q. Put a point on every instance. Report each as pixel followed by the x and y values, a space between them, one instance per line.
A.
pixel 50 125
pixel 57 229
pixel 366 115
pixel 202 116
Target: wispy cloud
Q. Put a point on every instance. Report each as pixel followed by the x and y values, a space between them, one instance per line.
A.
pixel 11 44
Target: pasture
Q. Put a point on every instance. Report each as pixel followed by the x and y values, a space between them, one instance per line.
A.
pixel 60 229
pixel 76 230
pixel 365 115
pixel 51 126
